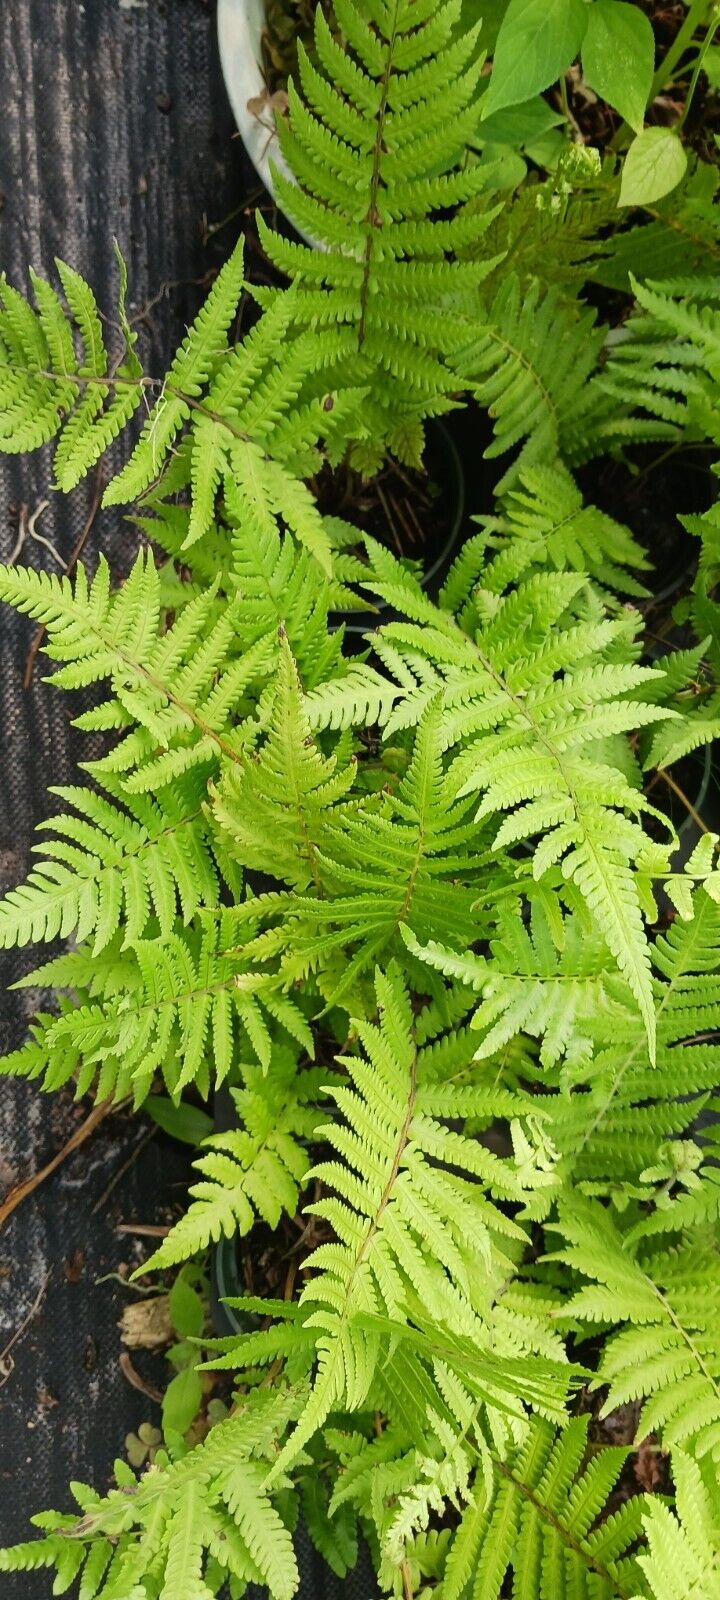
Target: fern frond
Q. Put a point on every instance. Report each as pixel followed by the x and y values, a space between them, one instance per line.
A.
pixel 255 1169
pixel 44 388
pixel 376 176
pixel 683 1556
pixel 664 1301
pixel 208 1510
pixel 546 1522
pixel 109 864
pixel 527 708
pixel 171 1005
pixel 399 1180
pixel 186 377
pixel 275 803
pixel 542 523
pixel 177 685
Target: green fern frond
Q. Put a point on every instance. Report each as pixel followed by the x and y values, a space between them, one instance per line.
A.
pixel 274 805
pixel 110 864
pixel 173 1005
pixel 527 706
pixel 664 1301
pixel 413 859
pixel 528 360
pixel 255 1169
pixel 204 1515
pixel 176 685
pixel 683 1555
pixel 376 176
pixel 546 1522
pixel 186 377
pixel 542 523
pixel 44 388
pixel 399 1180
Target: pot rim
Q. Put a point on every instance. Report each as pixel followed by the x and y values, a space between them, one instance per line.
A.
pixel 240 25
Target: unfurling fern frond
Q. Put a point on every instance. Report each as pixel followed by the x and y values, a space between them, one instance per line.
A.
pixel 184 1527
pixel 383 186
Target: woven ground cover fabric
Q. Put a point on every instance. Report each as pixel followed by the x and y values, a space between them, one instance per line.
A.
pixel 115 122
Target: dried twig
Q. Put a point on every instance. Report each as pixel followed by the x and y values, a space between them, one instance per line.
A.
pixel 153 1230
pixel 20 1191
pixel 133 1376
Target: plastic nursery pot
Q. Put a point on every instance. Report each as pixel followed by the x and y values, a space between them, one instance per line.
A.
pixel 240 25
pixel 445 470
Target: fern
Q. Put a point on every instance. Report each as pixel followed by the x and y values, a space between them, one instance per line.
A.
pixel 403 1181
pixel 166 681
pixel 272 804
pixel 170 1005
pixel 113 863
pixel 545 1521
pixel 667 1350
pixel 381 185
pixel 542 523
pixel 438 855
pixel 43 385
pixel 254 1169
pixel 204 1516
pixel 683 1556
pixel 528 734
pixel 411 861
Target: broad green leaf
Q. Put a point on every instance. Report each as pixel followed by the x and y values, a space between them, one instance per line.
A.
pixel 185 1122
pixel 654 164
pixel 187 1312
pixel 537 42
pixel 181 1401
pixel 618 57
pixel 520 125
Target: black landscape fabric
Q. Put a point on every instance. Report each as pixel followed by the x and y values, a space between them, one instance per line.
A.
pixel 114 122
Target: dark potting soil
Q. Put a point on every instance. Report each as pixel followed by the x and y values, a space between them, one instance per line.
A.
pixel 649 492
pixel 410 511
pixel 286 21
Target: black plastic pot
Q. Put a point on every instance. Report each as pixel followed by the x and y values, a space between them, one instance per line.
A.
pixel 445 467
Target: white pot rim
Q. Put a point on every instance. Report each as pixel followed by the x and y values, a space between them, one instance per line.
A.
pixel 240 26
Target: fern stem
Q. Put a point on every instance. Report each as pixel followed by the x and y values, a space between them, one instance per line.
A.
pixel 559 1528
pixel 372 218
